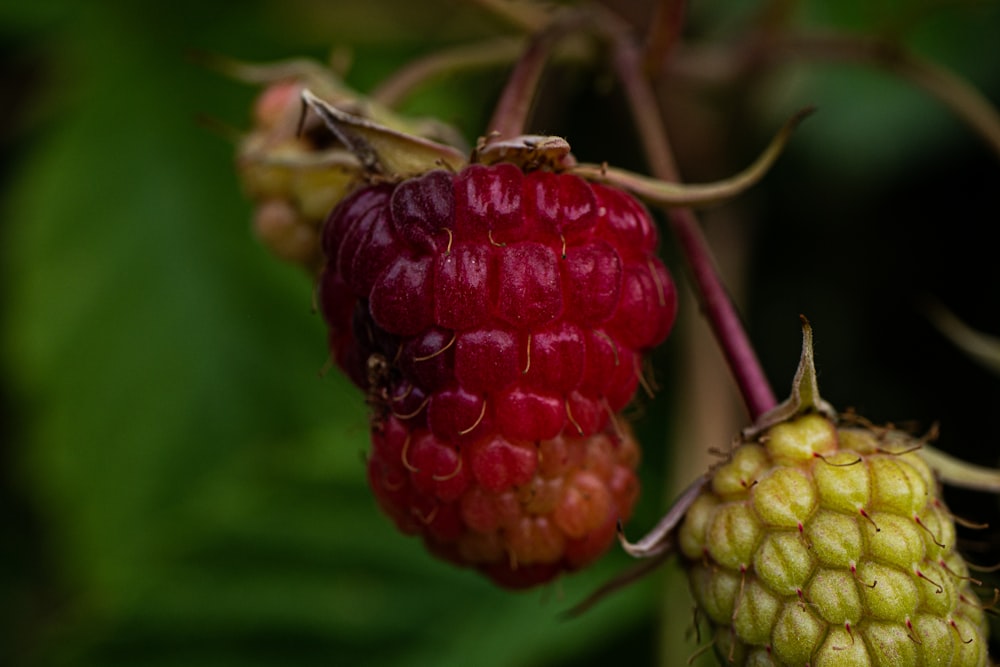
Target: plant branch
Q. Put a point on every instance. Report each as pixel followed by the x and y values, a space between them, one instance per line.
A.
pixel 716 305
pixel 672 193
pixel 721 65
pixel 664 33
pixel 404 81
pixel 526 16
pixel 961 97
pixel 511 113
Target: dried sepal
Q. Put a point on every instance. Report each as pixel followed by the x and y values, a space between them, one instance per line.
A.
pixel 527 151
pixel 660 539
pixel 381 149
pixel 326 84
pixel 667 193
pixel 804 397
pixel 290 166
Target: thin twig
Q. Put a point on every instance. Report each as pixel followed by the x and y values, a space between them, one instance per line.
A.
pixel 511 113
pixel 695 194
pixel 956 93
pixel 721 65
pixel 403 82
pixel 664 33
pixel 527 16
pixel 622 580
pixel 715 302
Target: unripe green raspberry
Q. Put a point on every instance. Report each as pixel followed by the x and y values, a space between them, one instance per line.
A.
pixel 825 544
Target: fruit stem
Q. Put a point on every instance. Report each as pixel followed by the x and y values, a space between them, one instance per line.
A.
pixel 403 82
pixel 664 34
pixel 716 305
pixel 511 113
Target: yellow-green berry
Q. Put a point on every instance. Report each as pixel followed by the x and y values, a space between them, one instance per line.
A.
pixel 820 543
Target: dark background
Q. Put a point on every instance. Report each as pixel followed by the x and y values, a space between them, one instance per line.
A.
pixel 177 484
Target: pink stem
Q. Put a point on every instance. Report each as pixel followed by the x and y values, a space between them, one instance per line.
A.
pixel 664 34
pixel 511 113
pixel 715 302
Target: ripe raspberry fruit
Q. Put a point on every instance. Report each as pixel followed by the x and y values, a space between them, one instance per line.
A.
pixel 523 301
pixel 493 315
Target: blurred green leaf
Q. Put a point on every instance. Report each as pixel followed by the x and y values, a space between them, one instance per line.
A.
pixel 203 491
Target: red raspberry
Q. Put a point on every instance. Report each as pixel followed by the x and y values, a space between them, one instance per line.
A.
pixel 521 512
pixel 492 314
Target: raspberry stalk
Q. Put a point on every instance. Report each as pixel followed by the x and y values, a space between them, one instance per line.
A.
pixel 715 302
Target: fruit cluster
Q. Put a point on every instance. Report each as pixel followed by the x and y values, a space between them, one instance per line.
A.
pixel 818 545
pixel 496 320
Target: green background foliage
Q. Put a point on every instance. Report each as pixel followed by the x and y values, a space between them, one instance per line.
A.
pixel 181 485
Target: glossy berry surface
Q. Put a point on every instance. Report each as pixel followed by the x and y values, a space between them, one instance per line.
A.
pixel 520 512
pixel 818 545
pixel 487 315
